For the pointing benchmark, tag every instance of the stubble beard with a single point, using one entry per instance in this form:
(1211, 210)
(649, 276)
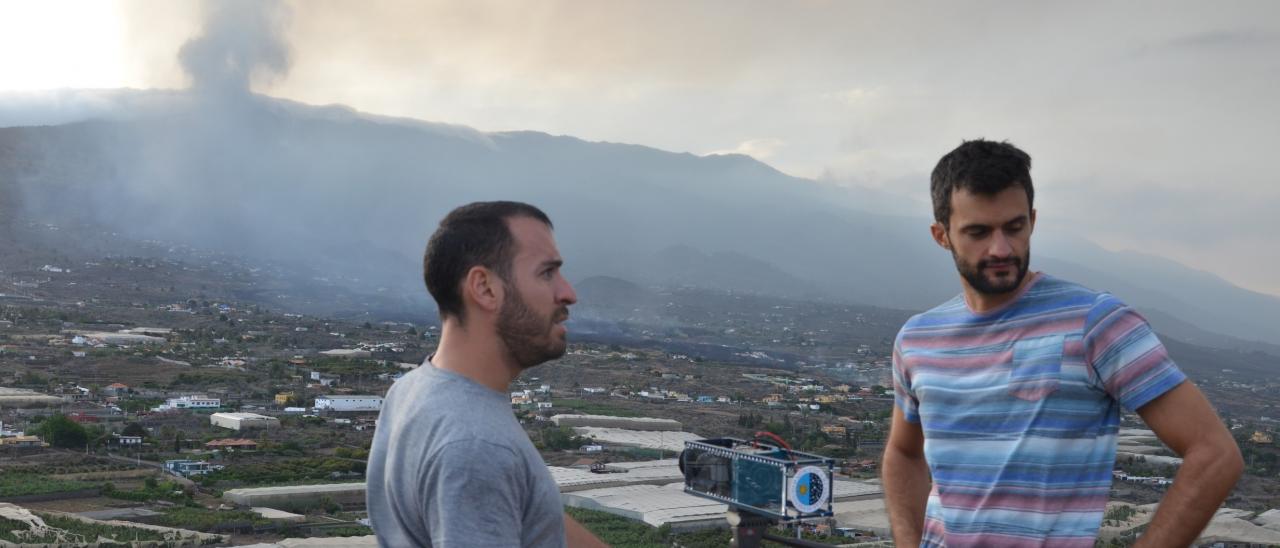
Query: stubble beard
(527, 337)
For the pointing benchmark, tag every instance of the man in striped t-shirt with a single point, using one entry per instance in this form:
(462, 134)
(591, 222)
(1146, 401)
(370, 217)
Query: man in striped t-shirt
(1009, 395)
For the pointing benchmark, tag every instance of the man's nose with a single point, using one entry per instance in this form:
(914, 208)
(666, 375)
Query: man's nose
(1000, 245)
(566, 293)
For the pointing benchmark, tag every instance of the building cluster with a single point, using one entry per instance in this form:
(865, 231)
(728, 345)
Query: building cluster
(194, 402)
(535, 398)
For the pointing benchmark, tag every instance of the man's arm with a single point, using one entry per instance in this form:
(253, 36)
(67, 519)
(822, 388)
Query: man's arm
(1183, 419)
(579, 537)
(905, 477)
(473, 494)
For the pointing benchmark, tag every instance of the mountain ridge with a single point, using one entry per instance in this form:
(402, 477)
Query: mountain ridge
(277, 178)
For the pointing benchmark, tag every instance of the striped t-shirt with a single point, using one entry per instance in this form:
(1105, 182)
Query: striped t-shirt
(1020, 407)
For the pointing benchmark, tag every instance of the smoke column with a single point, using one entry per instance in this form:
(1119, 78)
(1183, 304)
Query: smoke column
(242, 41)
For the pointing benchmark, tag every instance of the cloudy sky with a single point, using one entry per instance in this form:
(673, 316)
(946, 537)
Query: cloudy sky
(1153, 125)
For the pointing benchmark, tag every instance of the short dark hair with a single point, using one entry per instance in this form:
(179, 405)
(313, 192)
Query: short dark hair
(472, 235)
(980, 167)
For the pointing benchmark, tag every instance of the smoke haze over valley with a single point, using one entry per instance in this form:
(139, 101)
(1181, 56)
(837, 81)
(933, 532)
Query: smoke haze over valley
(349, 197)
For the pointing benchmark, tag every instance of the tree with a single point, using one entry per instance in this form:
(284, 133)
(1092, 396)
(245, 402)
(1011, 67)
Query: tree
(31, 378)
(60, 431)
(133, 429)
(562, 437)
(95, 435)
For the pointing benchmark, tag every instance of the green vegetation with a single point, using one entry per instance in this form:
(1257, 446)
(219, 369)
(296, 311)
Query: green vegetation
(15, 484)
(560, 438)
(751, 420)
(203, 519)
(60, 431)
(806, 535)
(308, 506)
(351, 453)
(151, 490)
(202, 378)
(1260, 460)
(621, 532)
(1120, 513)
(296, 421)
(31, 379)
(76, 531)
(641, 453)
(594, 408)
(134, 429)
(344, 366)
(616, 531)
(352, 531)
(284, 472)
(1139, 466)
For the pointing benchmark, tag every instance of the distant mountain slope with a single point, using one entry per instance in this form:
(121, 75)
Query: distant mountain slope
(354, 196)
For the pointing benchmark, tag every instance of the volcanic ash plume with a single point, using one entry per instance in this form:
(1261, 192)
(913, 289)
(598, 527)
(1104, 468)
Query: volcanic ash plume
(242, 41)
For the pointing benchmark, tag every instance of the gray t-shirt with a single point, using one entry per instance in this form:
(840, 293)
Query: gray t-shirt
(451, 466)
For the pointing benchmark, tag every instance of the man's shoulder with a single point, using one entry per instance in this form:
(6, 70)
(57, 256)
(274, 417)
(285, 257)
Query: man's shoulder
(1094, 303)
(939, 313)
(921, 324)
(1050, 287)
(436, 409)
(427, 386)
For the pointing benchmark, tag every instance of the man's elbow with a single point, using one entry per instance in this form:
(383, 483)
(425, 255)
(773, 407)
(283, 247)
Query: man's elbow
(896, 454)
(1224, 457)
(1233, 462)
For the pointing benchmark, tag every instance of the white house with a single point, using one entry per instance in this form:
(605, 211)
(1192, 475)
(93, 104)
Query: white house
(324, 379)
(348, 403)
(128, 441)
(190, 402)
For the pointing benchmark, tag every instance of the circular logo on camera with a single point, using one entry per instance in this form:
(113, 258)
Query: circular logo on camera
(810, 489)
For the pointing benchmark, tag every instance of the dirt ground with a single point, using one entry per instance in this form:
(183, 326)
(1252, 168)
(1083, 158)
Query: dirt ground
(81, 505)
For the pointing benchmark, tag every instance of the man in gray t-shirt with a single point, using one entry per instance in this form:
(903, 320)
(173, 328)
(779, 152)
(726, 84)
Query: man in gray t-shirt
(450, 465)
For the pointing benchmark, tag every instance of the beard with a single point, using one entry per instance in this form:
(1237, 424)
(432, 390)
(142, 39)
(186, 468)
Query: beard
(978, 280)
(526, 335)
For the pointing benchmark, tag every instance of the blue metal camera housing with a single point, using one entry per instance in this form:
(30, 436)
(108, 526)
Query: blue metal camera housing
(759, 477)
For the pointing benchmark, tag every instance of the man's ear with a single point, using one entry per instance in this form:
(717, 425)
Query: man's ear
(1033, 220)
(483, 289)
(939, 233)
